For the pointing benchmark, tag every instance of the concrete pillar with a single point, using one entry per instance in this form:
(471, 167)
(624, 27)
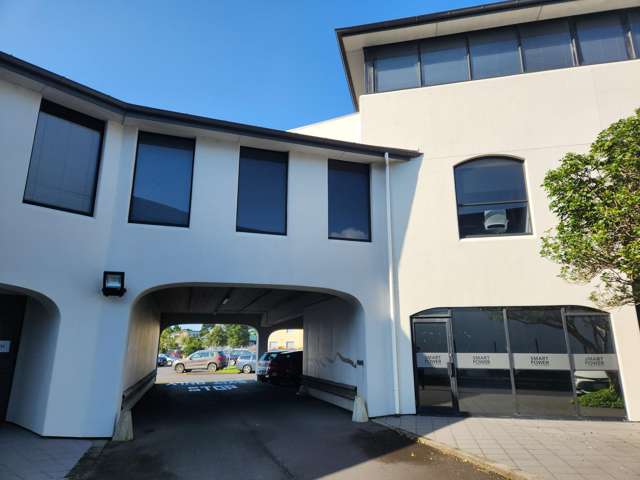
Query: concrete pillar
(263, 339)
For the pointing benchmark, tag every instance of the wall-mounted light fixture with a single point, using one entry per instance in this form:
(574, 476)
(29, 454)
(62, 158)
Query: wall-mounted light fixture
(113, 284)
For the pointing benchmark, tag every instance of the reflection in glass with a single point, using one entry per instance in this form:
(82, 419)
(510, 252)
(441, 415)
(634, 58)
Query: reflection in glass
(601, 38)
(262, 191)
(162, 182)
(349, 217)
(544, 392)
(494, 53)
(492, 197)
(396, 67)
(546, 45)
(543, 386)
(432, 356)
(598, 390)
(444, 60)
(484, 391)
(479, 330)
(634, 21)
(64, 160)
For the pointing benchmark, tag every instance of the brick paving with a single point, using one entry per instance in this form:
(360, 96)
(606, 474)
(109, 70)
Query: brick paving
(27, 456)
(545, 449)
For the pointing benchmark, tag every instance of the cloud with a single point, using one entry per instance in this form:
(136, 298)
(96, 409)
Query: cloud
(351, 233)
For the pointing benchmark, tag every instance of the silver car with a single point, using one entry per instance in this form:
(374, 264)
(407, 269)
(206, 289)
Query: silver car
(246, 362)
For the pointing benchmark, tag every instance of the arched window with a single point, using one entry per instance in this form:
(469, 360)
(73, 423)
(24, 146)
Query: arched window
(492, 197)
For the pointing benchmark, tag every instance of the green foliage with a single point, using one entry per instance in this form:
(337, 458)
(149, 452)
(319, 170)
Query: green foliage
(191, 344)
(217, 337)
(604, 398)
(228, 370)
(237, 336)
(205, 329)
(596, 197)
(167, 342)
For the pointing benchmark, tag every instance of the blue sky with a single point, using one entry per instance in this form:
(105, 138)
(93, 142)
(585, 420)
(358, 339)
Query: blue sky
(271, 63)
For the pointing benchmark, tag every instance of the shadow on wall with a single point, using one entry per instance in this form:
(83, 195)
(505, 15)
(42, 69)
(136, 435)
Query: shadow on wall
(35, 357)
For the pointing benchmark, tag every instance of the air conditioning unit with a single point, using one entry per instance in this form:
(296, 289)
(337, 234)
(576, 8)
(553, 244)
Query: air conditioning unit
(495, 221)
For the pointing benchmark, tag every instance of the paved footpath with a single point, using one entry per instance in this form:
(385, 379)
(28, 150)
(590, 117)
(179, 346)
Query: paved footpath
(546, 449)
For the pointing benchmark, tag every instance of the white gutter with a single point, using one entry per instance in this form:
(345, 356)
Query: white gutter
(392, 287)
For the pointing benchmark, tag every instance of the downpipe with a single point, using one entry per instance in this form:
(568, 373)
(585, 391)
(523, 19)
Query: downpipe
(392, 287)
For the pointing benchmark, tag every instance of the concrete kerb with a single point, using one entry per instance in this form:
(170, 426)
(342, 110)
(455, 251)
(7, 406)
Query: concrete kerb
(479, 462)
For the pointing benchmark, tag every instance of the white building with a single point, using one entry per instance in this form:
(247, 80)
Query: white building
(404, 238)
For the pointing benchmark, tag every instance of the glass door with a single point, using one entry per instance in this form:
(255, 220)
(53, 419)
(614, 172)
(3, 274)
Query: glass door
(434, 367)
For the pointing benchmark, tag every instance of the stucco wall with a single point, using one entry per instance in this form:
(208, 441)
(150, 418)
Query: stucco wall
(535, 117)
(32, 375)
(142, 343)
(333, 333)
(346, 127)
(63, 255)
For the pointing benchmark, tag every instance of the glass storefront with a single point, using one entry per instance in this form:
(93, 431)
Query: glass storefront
(541, 361)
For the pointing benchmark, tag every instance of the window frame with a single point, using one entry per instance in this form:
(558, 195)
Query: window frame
(135, 172)
(240, 229)
(633, 50)
(78, 118)
(526, 200)
(369, 238)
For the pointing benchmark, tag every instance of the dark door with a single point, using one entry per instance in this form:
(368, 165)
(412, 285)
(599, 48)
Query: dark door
(11, 316)
(434, 367)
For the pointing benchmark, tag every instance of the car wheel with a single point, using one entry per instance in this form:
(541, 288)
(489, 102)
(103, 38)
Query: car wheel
(179, 368)
(246, 369)
(212, 367)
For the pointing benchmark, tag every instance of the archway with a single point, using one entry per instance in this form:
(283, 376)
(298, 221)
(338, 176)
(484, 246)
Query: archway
(29, 323)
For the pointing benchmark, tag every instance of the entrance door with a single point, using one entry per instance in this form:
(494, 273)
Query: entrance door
(434, 367)
(11, 315)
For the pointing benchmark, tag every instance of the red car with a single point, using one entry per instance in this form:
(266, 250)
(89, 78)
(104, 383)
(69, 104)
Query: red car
(285, 367)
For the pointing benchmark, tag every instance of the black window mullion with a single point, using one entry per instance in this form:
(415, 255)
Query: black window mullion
(626, 22)
(470, 70)
(419, 64)
(520, 52)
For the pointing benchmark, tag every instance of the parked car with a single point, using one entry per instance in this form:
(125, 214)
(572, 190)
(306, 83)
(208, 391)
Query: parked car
(202, 359)
(263, 363)
(234, 354)
(285, 368)
(247, 362)
(162, 360)
(165, 360)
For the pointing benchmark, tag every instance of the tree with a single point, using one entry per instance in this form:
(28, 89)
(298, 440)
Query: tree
(167, 342)
(191, 344)
(217, 337)
(237, 336)
(205, 329)
(596, 197)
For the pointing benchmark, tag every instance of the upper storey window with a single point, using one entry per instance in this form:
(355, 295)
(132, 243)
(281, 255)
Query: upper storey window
(349, 201)
(444, 60)
(396, 67)
(65, 157)
(494, 53)
(262, 191)
(162, 180)
(529, 47)
(601, 38)
(546, 45)
(492, 197)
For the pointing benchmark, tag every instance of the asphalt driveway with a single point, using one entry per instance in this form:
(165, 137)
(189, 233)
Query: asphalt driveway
(235, 428)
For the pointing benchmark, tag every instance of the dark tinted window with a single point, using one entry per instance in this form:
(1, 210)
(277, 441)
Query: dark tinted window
(601, 38)
(262, 191)
(494, 53)
(634, 20)
(590, 334)
(162, 182)
(396, 67)
(444, 60)
(479, 330)
(546, 45)
(64, 160)
(536, 330)
(349, 201)
(492, 197)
